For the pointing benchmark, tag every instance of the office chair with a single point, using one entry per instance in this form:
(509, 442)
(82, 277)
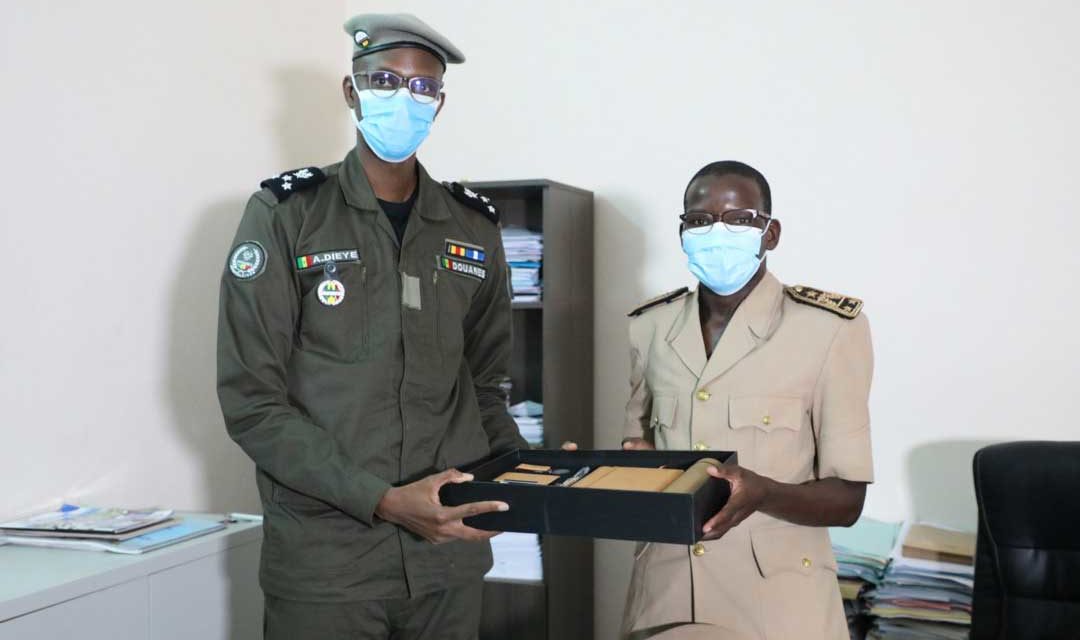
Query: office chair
(1027, 559)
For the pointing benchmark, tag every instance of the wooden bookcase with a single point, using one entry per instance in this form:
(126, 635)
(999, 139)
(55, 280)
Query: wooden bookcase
(552, 364)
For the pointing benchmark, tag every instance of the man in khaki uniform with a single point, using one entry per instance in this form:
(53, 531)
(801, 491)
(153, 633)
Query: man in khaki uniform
(364, 335)
(782, 376)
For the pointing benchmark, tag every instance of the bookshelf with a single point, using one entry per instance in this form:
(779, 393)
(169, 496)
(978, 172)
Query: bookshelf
(553, 364)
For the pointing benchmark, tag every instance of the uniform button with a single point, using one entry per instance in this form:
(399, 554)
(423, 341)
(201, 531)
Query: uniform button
(701, 446)
(806, 562)
(703, 395)
(766, 421)
(656, 422)
(698, 549)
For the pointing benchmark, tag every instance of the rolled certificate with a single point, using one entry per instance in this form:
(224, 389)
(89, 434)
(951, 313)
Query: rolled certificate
(693, 478)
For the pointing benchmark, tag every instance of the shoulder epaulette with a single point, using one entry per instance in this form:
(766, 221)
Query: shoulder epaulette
(473, 200)
(290, 182)
(670, 296)
(838, 303)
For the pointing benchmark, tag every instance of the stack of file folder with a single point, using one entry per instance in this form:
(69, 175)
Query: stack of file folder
(862, 556)
(524, 252)
(114, 530)
(928, 596)
(529, 416)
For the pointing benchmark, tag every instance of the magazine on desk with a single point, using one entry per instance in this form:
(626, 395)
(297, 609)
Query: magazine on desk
(184, 529)
(94, 520)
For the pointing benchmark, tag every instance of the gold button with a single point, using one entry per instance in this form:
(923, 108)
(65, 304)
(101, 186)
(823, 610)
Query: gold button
(701, 446)
(806, 562)
(766, 420)
(698, 549)
(703, 395)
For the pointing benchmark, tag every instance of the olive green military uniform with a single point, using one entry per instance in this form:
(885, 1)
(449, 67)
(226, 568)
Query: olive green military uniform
(348, 363)
(786, 387)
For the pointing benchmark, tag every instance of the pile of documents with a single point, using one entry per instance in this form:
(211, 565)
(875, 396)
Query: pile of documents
(524, 253)
(529, 416)
(862, 555)
(927, 589)
(517, 557)
(115, 530)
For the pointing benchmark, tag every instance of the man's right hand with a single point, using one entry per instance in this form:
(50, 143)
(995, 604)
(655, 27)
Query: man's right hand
(416, 507)
(628, 444)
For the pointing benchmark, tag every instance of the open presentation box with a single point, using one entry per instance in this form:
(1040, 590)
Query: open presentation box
(647, 516)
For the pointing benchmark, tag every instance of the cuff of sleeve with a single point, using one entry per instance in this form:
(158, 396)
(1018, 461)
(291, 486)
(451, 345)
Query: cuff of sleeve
(847, 457)
(369, 492)
(503, 433)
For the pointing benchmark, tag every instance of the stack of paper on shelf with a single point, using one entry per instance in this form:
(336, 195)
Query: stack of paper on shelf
(524, 252)
(862, 555)
(926, 598)
(115, 530)
(517, 556)
(529, 416)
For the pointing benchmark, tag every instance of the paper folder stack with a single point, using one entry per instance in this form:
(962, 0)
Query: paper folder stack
(862, 554)
(927, 590)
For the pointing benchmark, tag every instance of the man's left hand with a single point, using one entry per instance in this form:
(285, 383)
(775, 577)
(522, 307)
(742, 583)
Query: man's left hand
(748, 493)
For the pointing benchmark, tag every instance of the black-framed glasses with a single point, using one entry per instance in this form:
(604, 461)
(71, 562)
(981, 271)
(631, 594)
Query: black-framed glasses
(735, 220)
(384, 84)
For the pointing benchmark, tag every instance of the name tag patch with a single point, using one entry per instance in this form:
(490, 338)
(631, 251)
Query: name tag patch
(462, 267)
(319, 259)
(465, 251)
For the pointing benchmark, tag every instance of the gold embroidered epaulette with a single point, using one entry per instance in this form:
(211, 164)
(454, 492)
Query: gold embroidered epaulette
(670, 296)
(841, 305)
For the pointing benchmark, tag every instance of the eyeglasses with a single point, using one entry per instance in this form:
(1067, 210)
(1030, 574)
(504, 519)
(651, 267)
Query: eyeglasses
(735, 220)
(384, 84)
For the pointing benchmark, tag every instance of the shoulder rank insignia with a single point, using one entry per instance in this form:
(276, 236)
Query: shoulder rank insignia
(473, 200)
(841, 305)
(290, 182)
(670, 296)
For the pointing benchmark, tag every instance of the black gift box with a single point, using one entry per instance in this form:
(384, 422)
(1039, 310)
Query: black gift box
(646, 516)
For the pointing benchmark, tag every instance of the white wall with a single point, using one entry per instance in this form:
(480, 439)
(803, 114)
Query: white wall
(133, 133)
(922, 157)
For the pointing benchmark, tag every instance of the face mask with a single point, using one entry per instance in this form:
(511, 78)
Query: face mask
(723, 260)
(393, 127)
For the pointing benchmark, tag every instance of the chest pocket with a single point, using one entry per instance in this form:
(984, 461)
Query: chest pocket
(767, 413)
(454, 295)
(339, 331)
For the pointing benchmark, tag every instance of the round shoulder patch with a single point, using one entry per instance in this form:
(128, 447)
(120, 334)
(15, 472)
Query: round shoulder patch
(247, 260)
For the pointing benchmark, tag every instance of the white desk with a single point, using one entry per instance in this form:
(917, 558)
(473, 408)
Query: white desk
(206, 588)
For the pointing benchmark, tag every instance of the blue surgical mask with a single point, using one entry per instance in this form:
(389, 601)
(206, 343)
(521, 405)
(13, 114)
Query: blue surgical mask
(393, 127)
(724, 260)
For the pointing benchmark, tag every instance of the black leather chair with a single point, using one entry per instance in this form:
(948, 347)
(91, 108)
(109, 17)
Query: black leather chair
(1027, 564)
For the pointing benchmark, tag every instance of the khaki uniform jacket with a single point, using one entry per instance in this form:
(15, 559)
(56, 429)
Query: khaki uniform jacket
(787, 388)
(335, 404)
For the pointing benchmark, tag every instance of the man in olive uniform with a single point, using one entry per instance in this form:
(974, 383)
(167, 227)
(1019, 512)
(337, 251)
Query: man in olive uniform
(780, 375)
(364, 335)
